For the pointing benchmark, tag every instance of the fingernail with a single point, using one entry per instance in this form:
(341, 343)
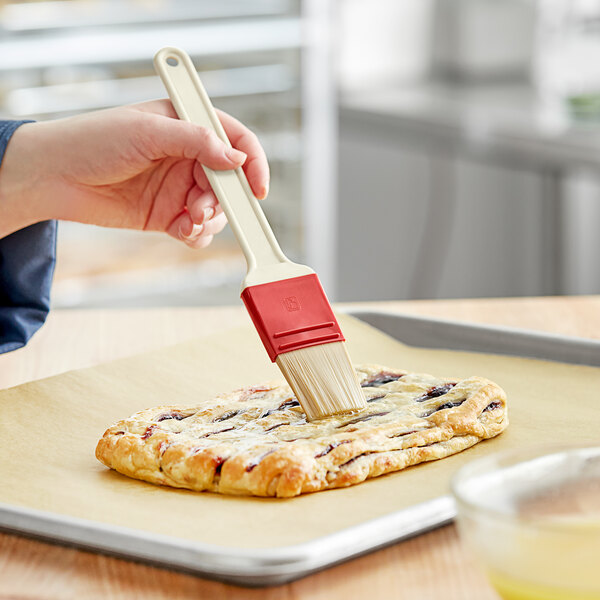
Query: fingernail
(236, 156)
(265, 191)
(196, 231)
(209, 213)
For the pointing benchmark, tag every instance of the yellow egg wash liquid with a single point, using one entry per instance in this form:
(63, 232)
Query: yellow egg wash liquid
(561, 562)
(510, 588)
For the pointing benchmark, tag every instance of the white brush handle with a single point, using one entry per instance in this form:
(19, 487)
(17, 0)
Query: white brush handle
(266, 261)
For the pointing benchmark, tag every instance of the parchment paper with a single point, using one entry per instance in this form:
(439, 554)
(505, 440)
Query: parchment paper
(49, 429)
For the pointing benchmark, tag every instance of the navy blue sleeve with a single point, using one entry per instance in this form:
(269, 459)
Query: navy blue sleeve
(27, 259)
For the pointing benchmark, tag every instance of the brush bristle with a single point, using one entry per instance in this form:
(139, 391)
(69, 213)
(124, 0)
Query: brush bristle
(323, 379)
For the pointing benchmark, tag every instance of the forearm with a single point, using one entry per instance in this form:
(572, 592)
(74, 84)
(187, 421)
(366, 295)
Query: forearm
(21, 203)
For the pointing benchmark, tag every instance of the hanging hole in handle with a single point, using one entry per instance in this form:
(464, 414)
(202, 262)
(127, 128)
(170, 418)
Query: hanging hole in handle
(172, 61)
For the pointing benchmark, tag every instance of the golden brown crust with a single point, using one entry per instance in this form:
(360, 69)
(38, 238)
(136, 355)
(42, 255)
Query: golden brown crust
(256, 441)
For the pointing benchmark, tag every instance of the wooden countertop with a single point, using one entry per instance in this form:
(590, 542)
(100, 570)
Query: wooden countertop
(431, 566)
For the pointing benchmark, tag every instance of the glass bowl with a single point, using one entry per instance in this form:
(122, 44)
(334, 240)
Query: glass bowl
(532, 518)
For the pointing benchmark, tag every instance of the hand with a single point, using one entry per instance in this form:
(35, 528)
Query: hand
(137, 167)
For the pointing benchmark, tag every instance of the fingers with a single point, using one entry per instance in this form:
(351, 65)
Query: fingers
(215, 225)
(193, 234)
(172, 137)
(166, 137)
(256, 166)
(202, 206)
(256, 181)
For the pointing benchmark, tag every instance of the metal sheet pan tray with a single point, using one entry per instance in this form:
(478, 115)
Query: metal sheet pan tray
(277, 565)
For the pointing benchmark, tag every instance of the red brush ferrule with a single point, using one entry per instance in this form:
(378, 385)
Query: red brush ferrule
(291, 314)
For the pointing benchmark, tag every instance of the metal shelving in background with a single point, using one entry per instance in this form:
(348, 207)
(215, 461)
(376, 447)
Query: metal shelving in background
(63, 58)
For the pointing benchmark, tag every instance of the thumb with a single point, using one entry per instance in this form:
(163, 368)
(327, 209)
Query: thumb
(168, 137)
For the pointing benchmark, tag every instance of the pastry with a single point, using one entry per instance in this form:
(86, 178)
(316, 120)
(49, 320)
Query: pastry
(256, 440)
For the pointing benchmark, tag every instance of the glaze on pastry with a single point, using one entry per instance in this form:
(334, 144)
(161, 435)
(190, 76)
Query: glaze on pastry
(256, 440)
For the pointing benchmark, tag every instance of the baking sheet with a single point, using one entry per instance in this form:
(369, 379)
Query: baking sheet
(426, 332)
(49, 430)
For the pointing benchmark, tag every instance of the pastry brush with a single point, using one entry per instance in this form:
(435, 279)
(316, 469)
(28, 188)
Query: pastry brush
(284, 299)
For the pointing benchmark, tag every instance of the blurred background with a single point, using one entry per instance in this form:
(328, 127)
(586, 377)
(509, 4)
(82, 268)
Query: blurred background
(418, 148)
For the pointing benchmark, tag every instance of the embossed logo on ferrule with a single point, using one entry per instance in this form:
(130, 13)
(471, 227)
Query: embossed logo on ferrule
(291, 303)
